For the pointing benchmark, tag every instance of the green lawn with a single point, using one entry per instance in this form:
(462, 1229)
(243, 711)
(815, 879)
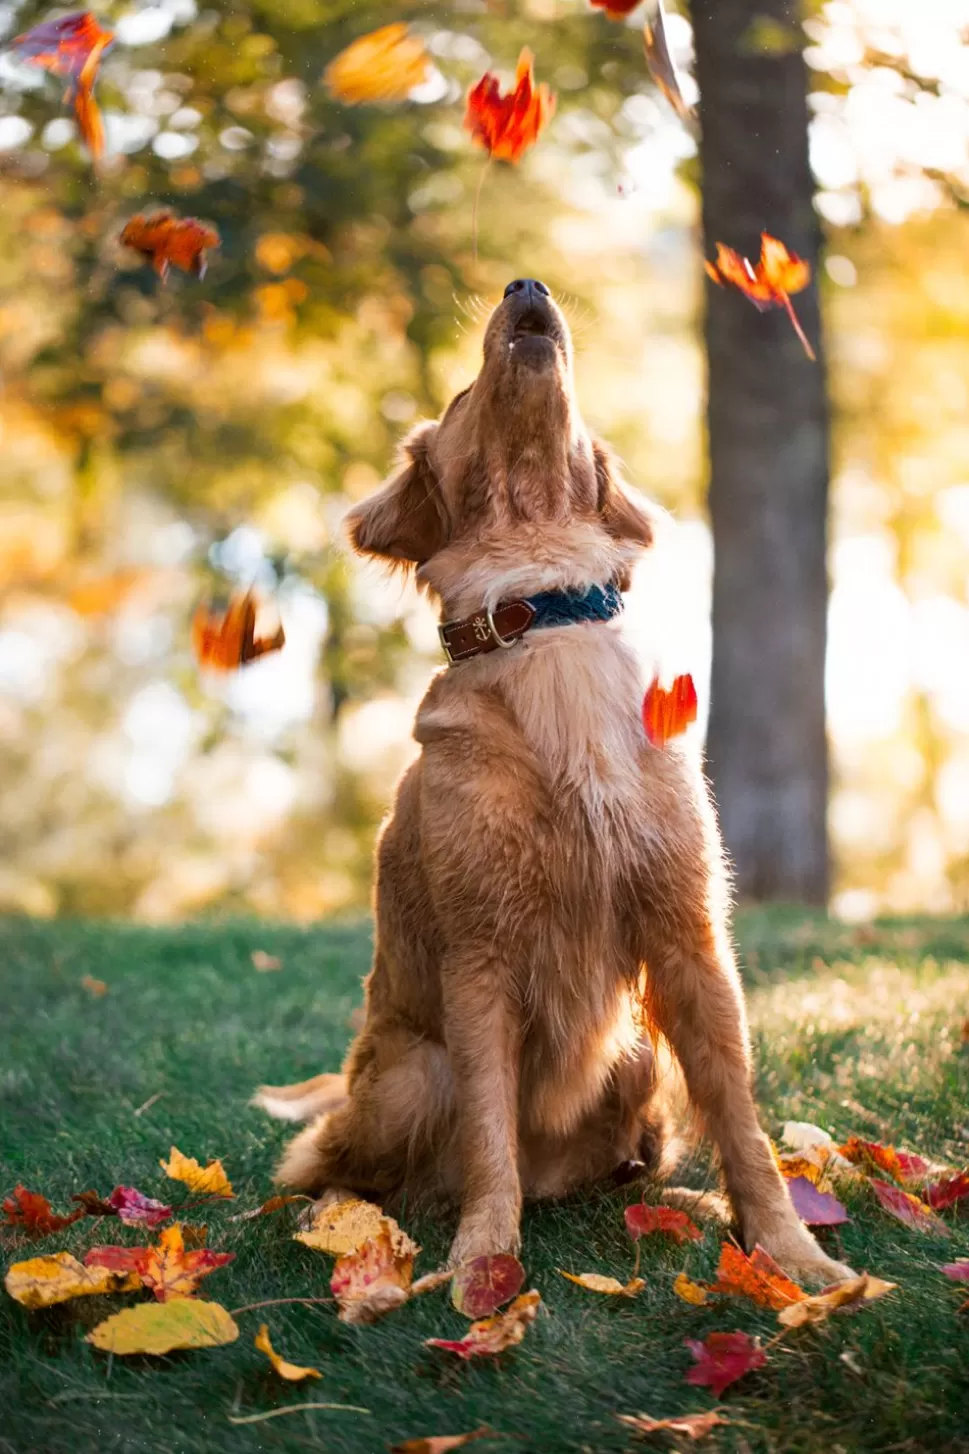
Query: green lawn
(857, 1030)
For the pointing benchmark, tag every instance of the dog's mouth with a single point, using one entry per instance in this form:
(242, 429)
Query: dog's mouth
(534, 336)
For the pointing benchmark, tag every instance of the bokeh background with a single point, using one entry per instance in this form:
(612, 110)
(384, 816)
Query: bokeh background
(159, 445)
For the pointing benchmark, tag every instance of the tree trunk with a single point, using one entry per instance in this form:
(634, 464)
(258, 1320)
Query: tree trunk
(768, 431)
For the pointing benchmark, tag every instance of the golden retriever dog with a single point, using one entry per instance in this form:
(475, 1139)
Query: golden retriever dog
(550, 890)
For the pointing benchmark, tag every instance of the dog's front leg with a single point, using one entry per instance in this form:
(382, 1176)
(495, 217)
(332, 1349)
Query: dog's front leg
(483, 1036)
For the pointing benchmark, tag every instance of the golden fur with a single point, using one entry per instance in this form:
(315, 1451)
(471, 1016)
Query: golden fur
(549, 887)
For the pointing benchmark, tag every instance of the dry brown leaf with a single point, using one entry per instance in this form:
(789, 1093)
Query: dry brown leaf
(691, 1426)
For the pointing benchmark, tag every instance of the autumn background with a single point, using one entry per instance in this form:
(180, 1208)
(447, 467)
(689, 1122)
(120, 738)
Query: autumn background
(162, 444)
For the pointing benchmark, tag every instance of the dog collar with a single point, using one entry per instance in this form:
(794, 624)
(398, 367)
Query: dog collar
(490, 630)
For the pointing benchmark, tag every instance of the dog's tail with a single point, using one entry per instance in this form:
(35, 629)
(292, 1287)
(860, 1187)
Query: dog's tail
(303, 1101)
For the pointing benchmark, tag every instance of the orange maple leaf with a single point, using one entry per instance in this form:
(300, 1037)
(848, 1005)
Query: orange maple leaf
(757, 1277)
(166, 1268)
(668, 713)
(72, 46)
(383, 66)
(778, 273)
(900, 1165)
(507, 125)
(168, 241)
(32, 1213)
(226, 640)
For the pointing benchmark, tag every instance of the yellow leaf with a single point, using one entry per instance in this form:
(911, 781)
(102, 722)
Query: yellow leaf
(690, 1292)
(43, 1281)
(595, 1282)
(385, 65)
(292, 1372)
(209, 1180)
(163, 1327)
(343, 1226)
(850, 1294)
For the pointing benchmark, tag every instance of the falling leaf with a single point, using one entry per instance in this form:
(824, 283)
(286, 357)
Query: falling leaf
(871, 1155)
(507, 125)
(595, 1282)
(32, 1213)
(167, 1269)
(384, 66)
(945, 1193)
(439, 1443)
(844, 1296)
(757, 1277)
(95, 987)
(615, 9)
(163, 1327)
(815, 1208)
(691, 1426)
(484, 1283)
(167, 241)
(292, 1372)
(274, 1204)
(642, 1220)
(209, 1180)
(908, 1209)
(690, 1292)
(668, 713)
(768, 285)
(43, 1281)
(345, 1224)
(137, 1210)
(264, 962)
(659, 60)
(372, 1280)
(958, 1271)
(73, 47)
(722, 1358)
(226, 640)
(494, 1334)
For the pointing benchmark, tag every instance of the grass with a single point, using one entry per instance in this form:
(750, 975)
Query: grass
(856, 1030)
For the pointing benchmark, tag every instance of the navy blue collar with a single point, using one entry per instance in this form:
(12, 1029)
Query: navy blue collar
(564, 608)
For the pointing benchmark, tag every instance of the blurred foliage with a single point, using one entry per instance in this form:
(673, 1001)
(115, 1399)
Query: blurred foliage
(161, 442)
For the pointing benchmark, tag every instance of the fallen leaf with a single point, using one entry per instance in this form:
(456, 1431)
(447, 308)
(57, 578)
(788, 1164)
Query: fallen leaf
(137, 1210)
(908, 1209)
(659, 60)
(691, 1426)
(226, 640)
(507, 125)
(87, 114)
(209, 1180)
(439, 1443)
(264, 962)
(32, 1213)
(168, 241)
(95, 987)
(666, 714)
(73, 47)
(343, 1225)
(167, 1269)
(596, 1282)
(163, 1327)
(372, 1280)
(383, 66)
(757, 1277)
(815, 1208)
(483, 1284)
(292, 1372)
(274, 1204)
(722, 1358)
(642, 1220)
(947, 1192)
(43, 1281)
(871, 1155)
(843, 1296)
(495, 1334)
(768, 285)
(94, 1206)
(958, 1271)
(690, 1292)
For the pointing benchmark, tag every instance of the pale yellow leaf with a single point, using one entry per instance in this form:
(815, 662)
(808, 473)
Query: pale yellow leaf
(162, 1327)
(596, 1282)
(292, 1372)
(849, 1294)
(42, 1281)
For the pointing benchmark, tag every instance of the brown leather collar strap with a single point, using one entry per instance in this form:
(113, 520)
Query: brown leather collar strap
(485, 631)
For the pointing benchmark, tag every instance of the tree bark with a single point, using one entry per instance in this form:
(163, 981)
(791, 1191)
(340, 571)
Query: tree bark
(768, 440)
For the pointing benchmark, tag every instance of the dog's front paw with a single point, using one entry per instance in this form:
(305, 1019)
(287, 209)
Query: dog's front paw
(484, 1232)
(794, 1248)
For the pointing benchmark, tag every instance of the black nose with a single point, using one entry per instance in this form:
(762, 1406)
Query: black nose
(529, 288)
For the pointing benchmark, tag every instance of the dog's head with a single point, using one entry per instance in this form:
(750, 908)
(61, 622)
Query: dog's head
(509, 475)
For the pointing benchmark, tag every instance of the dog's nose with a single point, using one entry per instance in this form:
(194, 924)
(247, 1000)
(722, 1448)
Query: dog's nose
(529, 288)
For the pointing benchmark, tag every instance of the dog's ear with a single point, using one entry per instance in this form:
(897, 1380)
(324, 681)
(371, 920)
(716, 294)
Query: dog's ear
(405, 521)
(622, 514)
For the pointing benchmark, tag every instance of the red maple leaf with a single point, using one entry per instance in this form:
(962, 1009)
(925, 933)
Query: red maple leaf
(948, 1191)
(615, 9)
(507, 125)
(668, 713)
(722, 1358)
(168, 241)
(641, 1220)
